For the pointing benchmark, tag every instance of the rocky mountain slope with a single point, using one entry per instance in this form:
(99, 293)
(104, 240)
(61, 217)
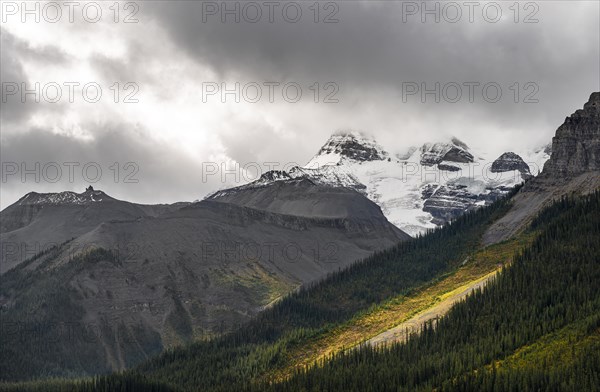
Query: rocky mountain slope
(574, 167)
(39, 221)
(135, 279)
(576, 146)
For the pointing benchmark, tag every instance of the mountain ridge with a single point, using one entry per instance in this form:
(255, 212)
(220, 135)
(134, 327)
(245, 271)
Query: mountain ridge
(427, 186)
(146, 282)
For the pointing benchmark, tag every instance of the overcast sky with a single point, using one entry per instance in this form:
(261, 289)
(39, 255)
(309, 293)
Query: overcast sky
(358, 66)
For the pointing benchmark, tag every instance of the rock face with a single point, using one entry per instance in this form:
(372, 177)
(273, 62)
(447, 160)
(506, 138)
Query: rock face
(450, 201)
(446, 167)
(574, 167)
(455, 151)
(354, 146)
(576, 146)
(510, 161)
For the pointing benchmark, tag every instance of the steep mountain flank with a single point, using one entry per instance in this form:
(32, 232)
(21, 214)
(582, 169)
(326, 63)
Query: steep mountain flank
(574, 167)
(576, 146)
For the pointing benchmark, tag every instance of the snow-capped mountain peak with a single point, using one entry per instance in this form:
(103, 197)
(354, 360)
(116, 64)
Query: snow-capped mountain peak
(510, 161)
(351, 146)
(418, 190)
(452, 151)
(326, 175)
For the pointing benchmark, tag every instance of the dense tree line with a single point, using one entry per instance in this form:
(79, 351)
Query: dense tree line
(112, 383)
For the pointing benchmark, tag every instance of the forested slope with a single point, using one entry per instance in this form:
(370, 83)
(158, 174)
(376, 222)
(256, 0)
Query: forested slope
(550, 287)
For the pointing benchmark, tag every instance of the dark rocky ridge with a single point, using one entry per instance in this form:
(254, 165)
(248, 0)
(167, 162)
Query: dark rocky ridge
(573, 167)
(302, 197)
(443, 166)
(510, 161)
(38, 221)
(576, 146)
(348, 145)
(455, 151)
(458, 155)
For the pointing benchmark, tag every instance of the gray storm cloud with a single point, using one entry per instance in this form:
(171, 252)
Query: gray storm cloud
(374, 53)
(371, 47)
(11, 71)
(121, 160)
(377, 49)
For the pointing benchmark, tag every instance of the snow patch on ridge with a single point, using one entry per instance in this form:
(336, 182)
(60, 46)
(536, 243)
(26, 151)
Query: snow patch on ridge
(34, 198)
